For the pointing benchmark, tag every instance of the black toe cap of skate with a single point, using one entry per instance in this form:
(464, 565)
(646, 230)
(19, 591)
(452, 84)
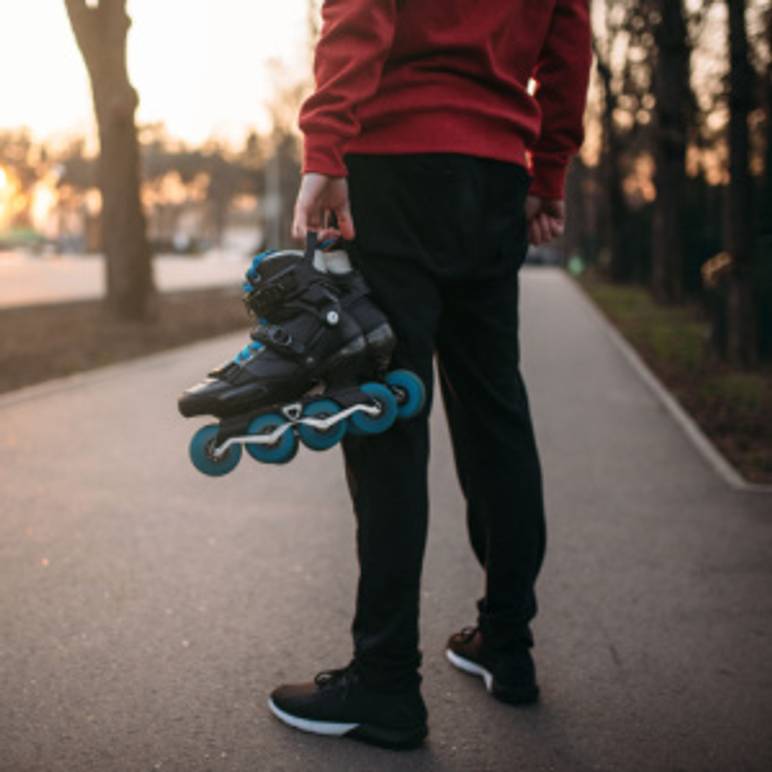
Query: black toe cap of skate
(222, 399)
(202, 399)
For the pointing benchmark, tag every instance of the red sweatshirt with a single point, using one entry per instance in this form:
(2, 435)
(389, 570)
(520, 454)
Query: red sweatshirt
(451, 76)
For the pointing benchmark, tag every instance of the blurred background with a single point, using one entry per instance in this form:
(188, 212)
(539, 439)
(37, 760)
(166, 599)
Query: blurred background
(169, 147)
(148, 149)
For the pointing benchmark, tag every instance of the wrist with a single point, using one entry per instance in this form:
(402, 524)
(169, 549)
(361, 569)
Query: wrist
(322, 155)
(549, 177)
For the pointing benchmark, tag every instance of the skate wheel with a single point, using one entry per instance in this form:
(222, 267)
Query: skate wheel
(281, 451)
(363, 423)
(202, 453)
(321, 439)
(409, 391)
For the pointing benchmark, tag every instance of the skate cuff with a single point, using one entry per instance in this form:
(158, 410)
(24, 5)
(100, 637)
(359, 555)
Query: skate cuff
(357, 287)
(261, 300)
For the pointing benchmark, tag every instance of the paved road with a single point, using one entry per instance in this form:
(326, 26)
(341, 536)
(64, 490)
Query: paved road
(147, 611)
(27, 280)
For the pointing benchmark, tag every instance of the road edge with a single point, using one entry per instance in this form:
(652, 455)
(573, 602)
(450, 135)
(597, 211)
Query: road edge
(104, 372)
(714, 458)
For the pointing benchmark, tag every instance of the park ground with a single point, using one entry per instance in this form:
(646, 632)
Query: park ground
(148, 611)
(54, 323)
(732, 405)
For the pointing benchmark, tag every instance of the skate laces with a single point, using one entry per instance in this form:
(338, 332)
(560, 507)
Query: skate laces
(252, 275)
(249, 286)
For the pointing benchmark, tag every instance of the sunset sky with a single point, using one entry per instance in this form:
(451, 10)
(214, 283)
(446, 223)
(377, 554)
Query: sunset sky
(201, 66)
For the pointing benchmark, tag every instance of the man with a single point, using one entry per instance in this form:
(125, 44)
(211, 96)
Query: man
(417, 139)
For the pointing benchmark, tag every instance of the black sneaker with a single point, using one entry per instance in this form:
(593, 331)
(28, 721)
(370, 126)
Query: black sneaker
(509, 676)
(338, 704)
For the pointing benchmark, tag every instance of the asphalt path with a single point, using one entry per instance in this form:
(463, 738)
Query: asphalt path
(146, 611)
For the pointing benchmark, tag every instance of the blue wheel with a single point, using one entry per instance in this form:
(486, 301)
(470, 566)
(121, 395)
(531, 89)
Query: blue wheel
(201, 451)
(363, 423)
(409, 391)
(282, 450)
(321, 439)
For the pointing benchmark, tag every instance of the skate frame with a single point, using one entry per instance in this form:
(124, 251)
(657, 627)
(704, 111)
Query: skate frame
(294, 416)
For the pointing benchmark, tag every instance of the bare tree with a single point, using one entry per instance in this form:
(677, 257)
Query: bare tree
(673, 96)
(742, 339)
(620, 265)
(768, 118)
(101, 29)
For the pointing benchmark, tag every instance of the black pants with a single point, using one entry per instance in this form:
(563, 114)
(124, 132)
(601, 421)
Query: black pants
(440, 239)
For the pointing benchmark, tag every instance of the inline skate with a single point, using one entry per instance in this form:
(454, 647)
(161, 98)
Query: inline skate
(317, 337)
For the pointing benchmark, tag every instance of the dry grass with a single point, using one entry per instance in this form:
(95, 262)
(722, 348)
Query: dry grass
(42, 342)
(733, 407)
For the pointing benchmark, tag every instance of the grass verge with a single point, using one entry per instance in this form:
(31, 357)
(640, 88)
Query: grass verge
(733, 407)
(41, 342)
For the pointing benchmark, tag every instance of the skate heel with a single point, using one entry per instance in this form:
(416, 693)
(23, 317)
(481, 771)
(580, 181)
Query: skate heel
(343, 367)
(380, 346)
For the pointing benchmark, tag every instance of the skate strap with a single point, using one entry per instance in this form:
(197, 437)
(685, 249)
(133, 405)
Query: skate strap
(312, 244)
(262, 298)
(275, 337)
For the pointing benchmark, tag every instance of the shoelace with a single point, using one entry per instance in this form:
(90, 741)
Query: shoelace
(249, 285)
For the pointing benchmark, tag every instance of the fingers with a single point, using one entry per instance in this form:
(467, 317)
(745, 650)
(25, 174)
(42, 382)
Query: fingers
(318, 196)
(555, 228)
(543, 229)
(546, 219)
(538, 230)
(308, 215)
(534, 232)
(299, 223)
(532, 207)
(305, 219)
(345, 222)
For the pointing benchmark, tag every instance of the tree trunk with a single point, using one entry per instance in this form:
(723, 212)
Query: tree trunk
(742, 338)
(672, 92)
(767, 201)
(101, 31)
(620, 264)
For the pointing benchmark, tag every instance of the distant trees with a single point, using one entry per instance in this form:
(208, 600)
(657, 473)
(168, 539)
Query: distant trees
(101, 28)
(20, 160)
(673, 103)
(767, 99)
(621, 264)
(739, 236)
(682, 104)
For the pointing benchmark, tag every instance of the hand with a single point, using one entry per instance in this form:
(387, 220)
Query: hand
(546, 219)
(318, 197)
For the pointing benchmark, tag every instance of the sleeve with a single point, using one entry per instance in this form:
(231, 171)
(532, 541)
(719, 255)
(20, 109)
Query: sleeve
(356, 38)
(562, 76)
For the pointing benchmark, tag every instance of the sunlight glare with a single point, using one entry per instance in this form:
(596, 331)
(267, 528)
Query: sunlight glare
(199, 66)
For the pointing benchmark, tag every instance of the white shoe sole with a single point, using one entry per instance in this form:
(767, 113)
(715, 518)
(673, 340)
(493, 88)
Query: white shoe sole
(470, 667)
(328, 728)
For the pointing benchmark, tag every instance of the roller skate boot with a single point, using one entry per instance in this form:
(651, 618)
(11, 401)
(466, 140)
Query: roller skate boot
(409, 390)
(298, 377)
